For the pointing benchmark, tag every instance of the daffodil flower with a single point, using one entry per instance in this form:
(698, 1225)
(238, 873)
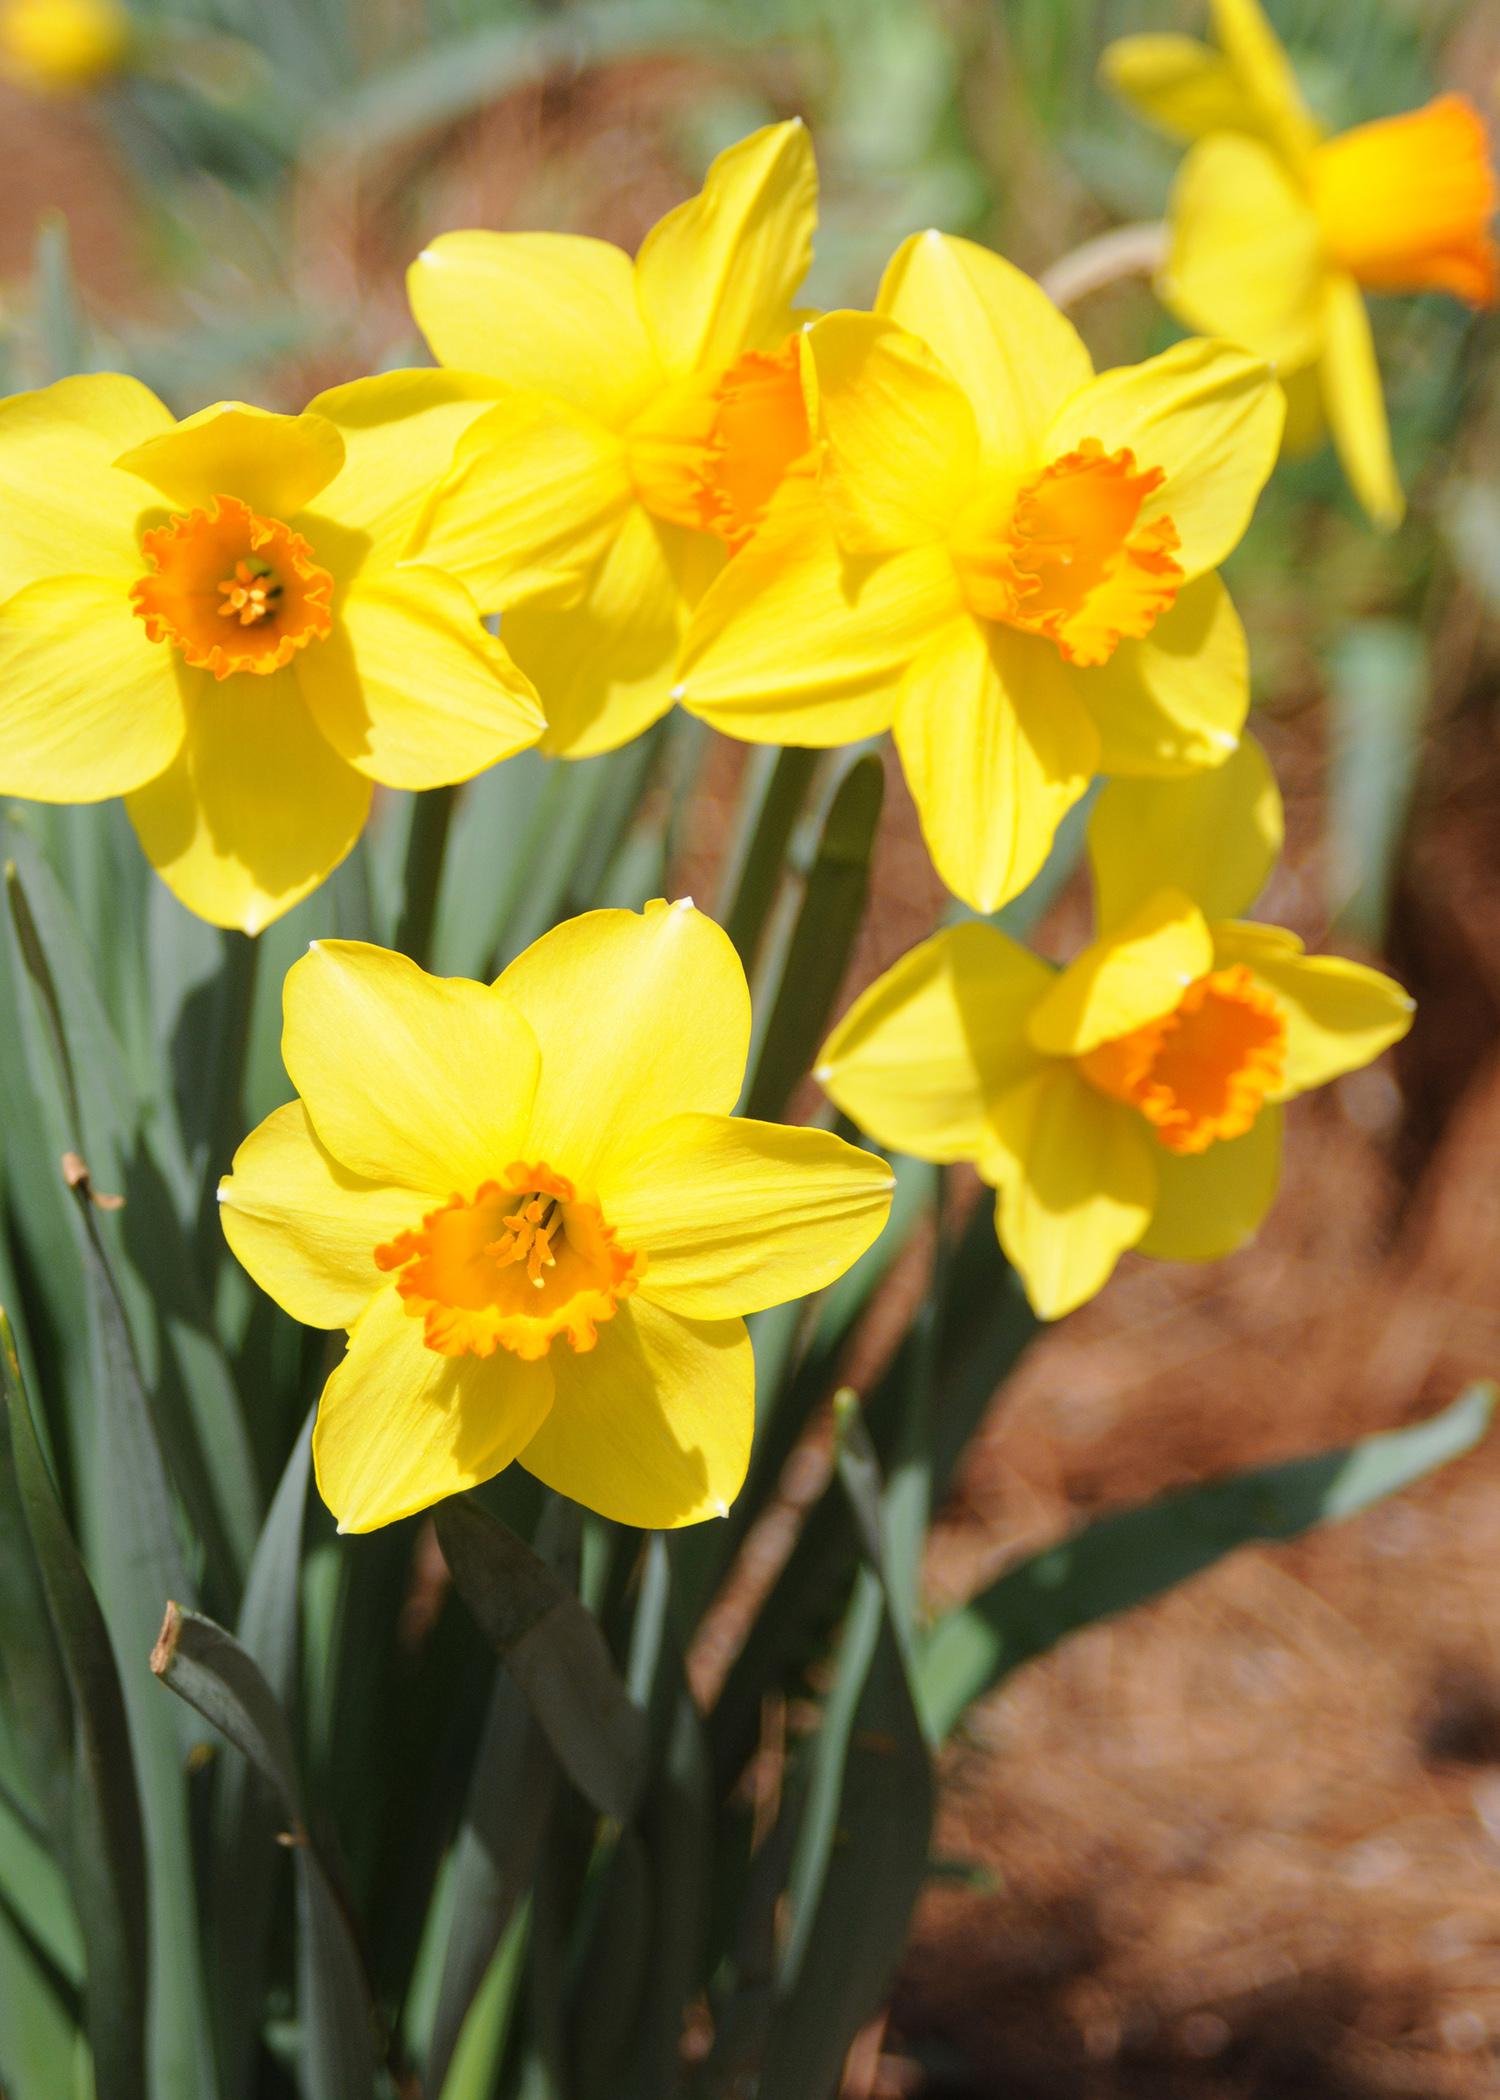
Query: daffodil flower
(656, 408)
(531, 1208)
(1133, 1099)
(1012, 564)
(1274, 229)
(62, 47)
(214, 619)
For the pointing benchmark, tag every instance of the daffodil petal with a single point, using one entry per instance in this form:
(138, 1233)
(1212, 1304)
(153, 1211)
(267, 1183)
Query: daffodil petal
(1013, 353)
(64, 505)
(400, 1427)
(996, 746)
(423, 1081)
(304, 1226)
(1265, 75)
(1136, 973)
(399, 432)
(604, 660)
(410, 689)
(733, 1216)
(717, 276)
(1214, 835)
(554, 313)
(1355, 404)
(256, 808)
(1177, 84)
(640, 1016)
(652, 1426)
(1209, 416)
(924, 1051)
(1076, 1181)
(91, 705)
(799, 643)
(900, 444)
(1176, 700)
(535, 495)
(1209, 1203)
(276, 464)
(1339, 1015)
(1245, 259)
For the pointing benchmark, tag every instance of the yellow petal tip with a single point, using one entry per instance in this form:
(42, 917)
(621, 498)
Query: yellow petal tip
(683, 904)
(678, 692)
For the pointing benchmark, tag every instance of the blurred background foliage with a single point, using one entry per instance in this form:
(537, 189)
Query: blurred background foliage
(228, 211)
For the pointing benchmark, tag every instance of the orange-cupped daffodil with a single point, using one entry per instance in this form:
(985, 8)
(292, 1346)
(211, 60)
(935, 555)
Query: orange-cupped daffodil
(1134, 1098)
(531, 1208)
(1011, 562)
(656, 407)
(215, 619)
(1275, 228)
(62, 47)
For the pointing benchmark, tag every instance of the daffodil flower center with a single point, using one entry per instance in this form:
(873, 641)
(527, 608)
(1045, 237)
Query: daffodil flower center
(1203, 1071)
(712, 450)
(232, 591)
(1068, 557)
(522, 1261)
(1405, 204)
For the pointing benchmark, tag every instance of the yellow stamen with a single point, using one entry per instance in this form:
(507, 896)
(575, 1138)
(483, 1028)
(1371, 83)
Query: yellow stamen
(1068, 558)
(227, 564)
(526, 1259)
(1203, 1071)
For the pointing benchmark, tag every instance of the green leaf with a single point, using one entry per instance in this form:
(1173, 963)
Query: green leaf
(206, 1666)
(245, 1859)
(822, 940)
(1127, 1559)
(775, 788)
(1378, 695)
(868, 1839)
(106, 1852)
(555, 1652)
(505, 1820)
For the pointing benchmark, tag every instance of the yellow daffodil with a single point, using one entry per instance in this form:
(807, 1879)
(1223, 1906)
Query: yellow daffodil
(1012, 562)
(1274, 228)
(656, 408)
(214, 619)
(60, 47)
(531, 1208)
(1134, 1098)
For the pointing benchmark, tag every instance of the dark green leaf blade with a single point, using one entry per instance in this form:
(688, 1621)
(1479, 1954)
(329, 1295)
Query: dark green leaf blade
(1127, 1559)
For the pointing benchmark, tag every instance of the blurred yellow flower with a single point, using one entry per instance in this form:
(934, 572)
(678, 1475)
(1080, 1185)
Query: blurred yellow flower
(531, 1208)
(215, 619)
(1274, 228)
(1134, 1098)
(656, 408)
(60, 47)
(1011, 561)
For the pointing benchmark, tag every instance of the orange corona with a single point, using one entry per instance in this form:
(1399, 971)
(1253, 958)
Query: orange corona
(232, 591)
(522, 1261)
(713, 450)
(1203, 1071)
(1068, 557)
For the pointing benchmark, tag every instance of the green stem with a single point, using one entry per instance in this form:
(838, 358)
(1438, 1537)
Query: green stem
(431, 820)
(240, 970)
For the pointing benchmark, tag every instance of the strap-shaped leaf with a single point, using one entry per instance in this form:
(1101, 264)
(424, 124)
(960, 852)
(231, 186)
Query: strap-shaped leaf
(555, 1652)
(207, 1667)
(105, 1853)
(822, 940)
(1124, 1560)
